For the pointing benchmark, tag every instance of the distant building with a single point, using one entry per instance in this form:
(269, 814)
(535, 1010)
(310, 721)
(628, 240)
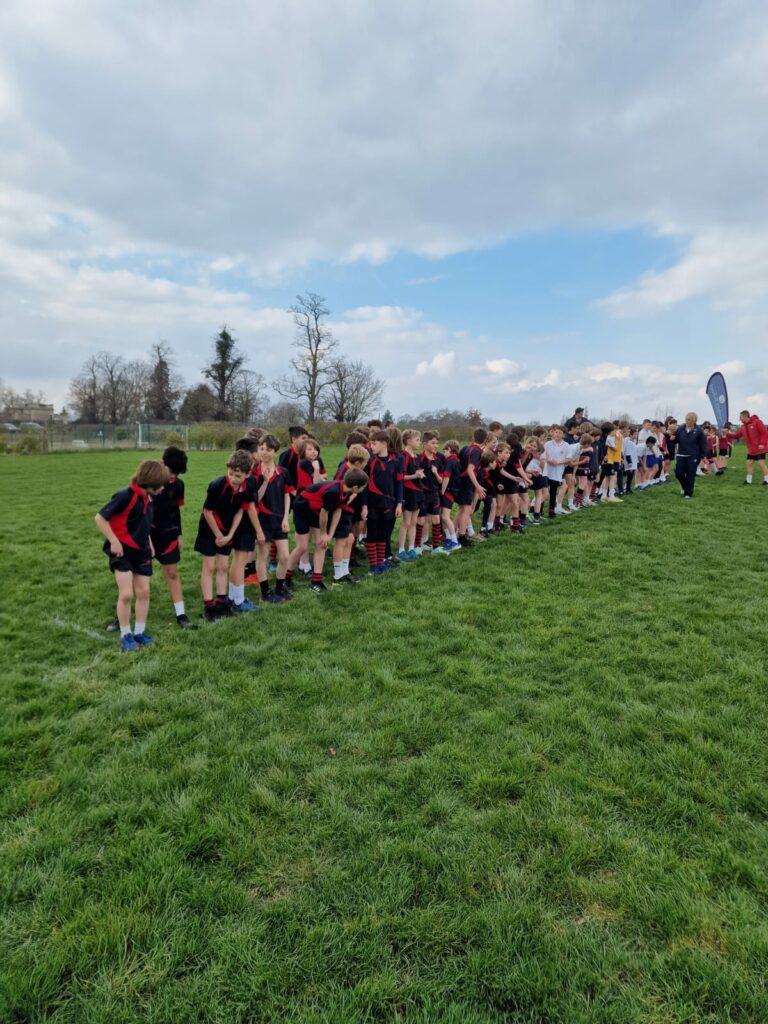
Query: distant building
(32, 412)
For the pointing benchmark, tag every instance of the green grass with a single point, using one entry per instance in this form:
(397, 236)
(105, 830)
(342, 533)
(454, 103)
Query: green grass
(526, 783)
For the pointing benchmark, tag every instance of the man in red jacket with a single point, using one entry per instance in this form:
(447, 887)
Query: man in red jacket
(755, 435)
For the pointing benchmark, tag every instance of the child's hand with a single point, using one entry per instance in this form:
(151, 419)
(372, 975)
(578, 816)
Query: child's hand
(260, 538)
(181, 544)
(284, 526)
(222, 541)
(481, 492)
(398, 511)
(323, 541)
(419, 474)
(116, 548)
(364, 513)
(499, 487)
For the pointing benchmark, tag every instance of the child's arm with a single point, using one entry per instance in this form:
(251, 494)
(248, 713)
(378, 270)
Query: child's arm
(473, 478)
(253, 515)
(222, 541)
(286, 510)
(317, 474)
(104, 528)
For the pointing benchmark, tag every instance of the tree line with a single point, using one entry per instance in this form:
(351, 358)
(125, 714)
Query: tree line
(321, 383)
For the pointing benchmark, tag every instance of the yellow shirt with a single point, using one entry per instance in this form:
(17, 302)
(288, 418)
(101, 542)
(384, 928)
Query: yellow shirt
(613, 455)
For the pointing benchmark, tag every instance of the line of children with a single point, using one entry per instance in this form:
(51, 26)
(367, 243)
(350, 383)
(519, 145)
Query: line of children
(386, 476)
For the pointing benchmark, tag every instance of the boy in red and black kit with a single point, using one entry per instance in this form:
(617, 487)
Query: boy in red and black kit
(449, 492)
(125, 522)
(269, 518)
(383, 508)
(227, 500)
(470, 487)
(431, 464)
(326, 510)
(166, 532)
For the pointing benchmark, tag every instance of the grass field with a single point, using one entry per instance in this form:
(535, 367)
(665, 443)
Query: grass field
(524, 783)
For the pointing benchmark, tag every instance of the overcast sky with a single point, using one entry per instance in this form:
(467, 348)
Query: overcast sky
(514, 205)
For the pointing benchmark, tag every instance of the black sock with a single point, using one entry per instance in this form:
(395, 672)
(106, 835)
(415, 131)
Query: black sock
(264, 584)
(279, 586)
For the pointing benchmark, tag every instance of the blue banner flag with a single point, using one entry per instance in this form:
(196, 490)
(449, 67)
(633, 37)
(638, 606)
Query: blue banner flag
(718, 396)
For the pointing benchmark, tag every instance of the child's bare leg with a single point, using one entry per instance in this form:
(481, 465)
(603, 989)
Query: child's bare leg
(222, 573)
(171, 573)
(206, 577)
(141, 591)
(124, 581)
(237, 574)
(282, 558)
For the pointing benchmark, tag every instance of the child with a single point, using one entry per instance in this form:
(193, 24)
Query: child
(611, 461)
(431, 464)
(583, 470)
(269, 517)
(534, 468)
(166, 532)
(226, 502)
(557, 453)
(396, 460)
(125, 522)
(310, 467)
(383, 508)
(413, 475)
(325, 510)
(449, 491)
(629, 457)
(470, 488)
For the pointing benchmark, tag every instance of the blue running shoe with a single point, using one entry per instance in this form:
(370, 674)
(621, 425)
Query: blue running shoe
(143, 639)
(128, 642)
(245, 606)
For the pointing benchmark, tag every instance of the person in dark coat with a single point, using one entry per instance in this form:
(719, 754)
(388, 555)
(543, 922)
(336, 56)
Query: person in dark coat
(691, 448)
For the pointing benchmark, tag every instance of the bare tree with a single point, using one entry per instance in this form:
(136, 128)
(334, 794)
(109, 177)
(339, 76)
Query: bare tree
(132, 395)
(223, 369)
(315, 343)
(247, 396)
(85, 393)
(111, 371)
(351, 390)
(200, 404)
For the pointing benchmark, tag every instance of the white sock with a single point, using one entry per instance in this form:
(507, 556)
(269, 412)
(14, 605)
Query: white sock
(749, 478)
(231, 594)
(125, 630)
(140, 627)
(305, 566)
(470, 530)
(338, 570)
(345, 567)
(237, 594)
(611, 492)
(178, 607)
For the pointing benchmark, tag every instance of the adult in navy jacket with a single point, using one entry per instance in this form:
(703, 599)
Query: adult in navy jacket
(691, 448)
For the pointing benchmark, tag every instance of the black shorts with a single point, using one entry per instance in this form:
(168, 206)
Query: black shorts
(304, 519)
(344, 527)
(756, 458)
(245, 537)
(568, 471)
(431, 504)
(540, 483)
(166, 547)
(609, 469)
(205, 543)
(271, 531)
(466, 492)
(411, 500)
(724, 453)
(447, 501)
(139, 565)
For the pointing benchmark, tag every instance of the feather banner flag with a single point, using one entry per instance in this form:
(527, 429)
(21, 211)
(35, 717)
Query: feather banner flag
(718, 396)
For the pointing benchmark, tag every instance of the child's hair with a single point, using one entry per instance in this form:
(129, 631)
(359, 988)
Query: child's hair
(539, 431)
(502, 446)
(355, 478)
(297, 431)
(358, 453)
(247, 444)
(270, 441)
(240, 461)
(308, 442)
(514, 437)
(495, 425)
(408, 435)
(430, 435)
(556, 426)
(487, 458)
(586, 439)
(607, 428)
(175, 459)
(650, 440)
(355, 437)
(375, 424)
(452, 446)
(395, 439)
(479, 435)
(379, 435)
(150, 475)
(534, 442)
(362, 429)
(257, 432)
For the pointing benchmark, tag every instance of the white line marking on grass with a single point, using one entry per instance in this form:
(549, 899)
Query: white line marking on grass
(78, 629)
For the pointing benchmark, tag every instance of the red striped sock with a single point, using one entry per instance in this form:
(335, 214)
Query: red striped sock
(289, 574)
(419, 534)
(370, 551)
(437, 537)
(381, 552)
(317, 577)
(273, 552)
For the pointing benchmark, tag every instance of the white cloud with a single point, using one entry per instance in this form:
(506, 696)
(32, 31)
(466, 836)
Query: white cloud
(440, 365)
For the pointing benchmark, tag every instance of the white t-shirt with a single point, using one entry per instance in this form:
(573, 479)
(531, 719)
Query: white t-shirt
(629, 452)
(560, 453)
